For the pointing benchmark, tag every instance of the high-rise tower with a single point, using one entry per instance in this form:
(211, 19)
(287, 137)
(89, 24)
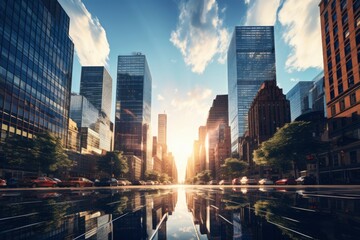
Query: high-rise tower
(133, 108)
(251, 61)
(35, 68)
(162, 130)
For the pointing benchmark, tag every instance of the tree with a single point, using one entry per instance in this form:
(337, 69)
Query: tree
(152, 175)
(164, 177)
(204, 176)
(233, 167)
(113, 163)
(289, 147)
(43, 153)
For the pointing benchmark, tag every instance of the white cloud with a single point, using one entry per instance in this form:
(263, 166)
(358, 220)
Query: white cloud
(261, 13)
(294, 79)
(196, 100)
(302, 33)
(89, 37)
(200, 36)
(160, 98)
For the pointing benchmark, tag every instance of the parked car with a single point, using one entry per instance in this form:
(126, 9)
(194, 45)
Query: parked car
(76, 182)
(286, 181)
(2, 182)
(106, 182)
(248, 181)
(236, 181)
(150, 183)
(266, 181)
(306, 180)
(213, 182)
(225, 182)
(139, 182)
(38, 182)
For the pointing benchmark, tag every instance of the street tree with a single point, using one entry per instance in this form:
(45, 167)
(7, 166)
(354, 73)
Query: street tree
(233, 167)
(204, 176)
(289, 148)
(113, 163)
(152, 175)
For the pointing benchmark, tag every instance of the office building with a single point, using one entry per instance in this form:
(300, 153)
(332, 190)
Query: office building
(218, 114)
(222, 148)
(162, 131)
(340, 23)
(35, 68)
(269, 111)
(133, 108)
(251, 61)
(299, 98)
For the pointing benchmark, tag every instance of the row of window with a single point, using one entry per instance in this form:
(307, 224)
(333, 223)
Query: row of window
(342, 105)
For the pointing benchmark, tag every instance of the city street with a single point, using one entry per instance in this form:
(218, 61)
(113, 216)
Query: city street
(192, 212)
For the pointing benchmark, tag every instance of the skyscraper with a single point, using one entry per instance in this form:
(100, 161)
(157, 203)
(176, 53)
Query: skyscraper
(251, 61)
(96, 86)
(299, 98)
(35, 68)
(133, 108)
(162, 129)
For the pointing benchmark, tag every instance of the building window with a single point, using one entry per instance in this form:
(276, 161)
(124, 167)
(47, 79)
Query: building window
(335, 31)
(340, 88)
(328, 52)
(330, 64)
(350, 81)
(333, 111)
(334, 17)
(358, 37)
(333, 5)
(354, 116)
(336, 44)
(346, 33)
(331, 80)
(353, 157)
(327, 40)
(338, 73)
(332, 94)
(352, 99)
(356, 5)
(342, 105)
(348, 65)
(344, 19)
(337, 58)
(347, 49)
(326, 16)
(343, 4)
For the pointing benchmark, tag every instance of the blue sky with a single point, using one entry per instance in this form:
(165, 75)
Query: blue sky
(185, 43)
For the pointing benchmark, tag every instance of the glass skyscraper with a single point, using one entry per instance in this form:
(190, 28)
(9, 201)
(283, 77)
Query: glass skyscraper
(133, 108)
(251, 61)
(96, 86)
(35, 68)
(299, 98)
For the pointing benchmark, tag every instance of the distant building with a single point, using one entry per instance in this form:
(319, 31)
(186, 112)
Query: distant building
(269, 111)
(218, 114)
(162, 131)
(222, 148)
(35, 68)
(251, 61)
(299, 98)
(73, 142)
(133, 108)
(135, 168)
(340, 21)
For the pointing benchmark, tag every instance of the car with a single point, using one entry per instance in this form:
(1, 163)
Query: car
(139, 182)
(225, 182)
(76, 182)
(38, 182)
(286, 181)
(213, 182)
(2, 182)
(236, 181)
(149, 183)
(248, 181)
(266, 181)
(306, 180)
(106, 182)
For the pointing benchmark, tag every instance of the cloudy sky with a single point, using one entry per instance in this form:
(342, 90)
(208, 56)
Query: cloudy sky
(185, 42)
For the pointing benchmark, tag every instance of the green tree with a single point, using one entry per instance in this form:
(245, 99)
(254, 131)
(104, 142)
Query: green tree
(43, 153)
(163, 177)
(233, 167)
(113, 163)
(204, 176)
(152, 175)
(289, 147)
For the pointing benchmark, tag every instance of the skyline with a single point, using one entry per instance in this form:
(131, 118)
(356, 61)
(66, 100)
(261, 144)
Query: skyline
(186, 50)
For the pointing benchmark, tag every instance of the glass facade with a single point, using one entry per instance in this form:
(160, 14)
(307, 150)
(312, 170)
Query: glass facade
(133, 107)
(299, 98)
(96, 86)
(35, 68)
(251, 61)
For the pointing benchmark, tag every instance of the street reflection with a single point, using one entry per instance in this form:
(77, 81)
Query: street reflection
(181, 213)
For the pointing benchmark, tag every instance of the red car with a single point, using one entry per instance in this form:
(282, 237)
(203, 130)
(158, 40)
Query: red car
(38, 182)
(2, 182)
(77, 182)
(286, 181)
